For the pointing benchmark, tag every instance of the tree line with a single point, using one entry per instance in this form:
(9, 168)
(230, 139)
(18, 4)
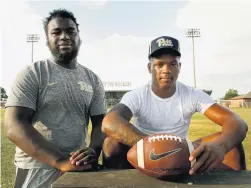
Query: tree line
(228, 95)
(231, 93)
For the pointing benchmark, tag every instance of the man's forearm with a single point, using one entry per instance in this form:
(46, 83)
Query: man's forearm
(29, 140)
(233, 132)
(121, 130)
(97, 139)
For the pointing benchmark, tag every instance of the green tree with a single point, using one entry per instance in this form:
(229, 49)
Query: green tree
(230, 94)
(209, 92)
(3, 93)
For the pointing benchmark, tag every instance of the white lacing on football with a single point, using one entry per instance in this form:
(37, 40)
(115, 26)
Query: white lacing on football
(164, 137)
(140, 154)
(191, 149)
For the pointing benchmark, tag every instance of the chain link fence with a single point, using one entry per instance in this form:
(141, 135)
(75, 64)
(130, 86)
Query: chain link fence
(113, 97)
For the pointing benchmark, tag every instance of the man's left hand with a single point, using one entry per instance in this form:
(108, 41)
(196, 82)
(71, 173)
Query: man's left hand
(208, 155)
(83, 156)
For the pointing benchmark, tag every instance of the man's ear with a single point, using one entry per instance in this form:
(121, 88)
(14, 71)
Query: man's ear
(47, 43)
(149, 67)
(179, 66)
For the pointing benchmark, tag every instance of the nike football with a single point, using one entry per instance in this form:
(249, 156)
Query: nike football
(161, 155)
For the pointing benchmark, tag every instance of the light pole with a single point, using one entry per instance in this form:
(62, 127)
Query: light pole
(32, 38)
(192, 33)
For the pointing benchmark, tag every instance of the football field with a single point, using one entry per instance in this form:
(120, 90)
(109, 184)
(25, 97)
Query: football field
(199, 127)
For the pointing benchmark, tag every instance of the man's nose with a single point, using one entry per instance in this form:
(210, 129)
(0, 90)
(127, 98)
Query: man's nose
(64, 35)
(166, 69)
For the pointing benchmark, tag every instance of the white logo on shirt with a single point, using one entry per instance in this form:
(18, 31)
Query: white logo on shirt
(163, 42)
(85, 87)
(51, 83)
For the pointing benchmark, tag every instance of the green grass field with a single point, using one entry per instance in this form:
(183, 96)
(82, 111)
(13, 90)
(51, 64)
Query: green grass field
(200, 127)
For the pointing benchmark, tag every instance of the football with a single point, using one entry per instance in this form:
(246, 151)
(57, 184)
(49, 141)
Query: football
(161, 155)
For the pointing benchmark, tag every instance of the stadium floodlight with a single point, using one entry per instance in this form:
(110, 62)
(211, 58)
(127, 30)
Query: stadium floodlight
(192, 33)
(32, 38)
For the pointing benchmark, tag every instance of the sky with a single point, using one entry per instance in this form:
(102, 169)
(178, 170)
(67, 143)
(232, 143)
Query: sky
(116, 35)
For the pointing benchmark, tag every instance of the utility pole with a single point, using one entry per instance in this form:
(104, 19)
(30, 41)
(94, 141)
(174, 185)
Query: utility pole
(192, 33)
(32, 38)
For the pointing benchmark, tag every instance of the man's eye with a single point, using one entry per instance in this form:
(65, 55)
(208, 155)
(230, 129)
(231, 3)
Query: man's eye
(55, 33)
(71, 32)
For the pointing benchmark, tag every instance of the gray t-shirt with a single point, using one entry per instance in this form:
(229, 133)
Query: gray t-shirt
(63, 100)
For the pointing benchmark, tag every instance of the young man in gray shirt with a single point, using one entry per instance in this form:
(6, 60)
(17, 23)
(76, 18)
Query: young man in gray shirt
(49, 107)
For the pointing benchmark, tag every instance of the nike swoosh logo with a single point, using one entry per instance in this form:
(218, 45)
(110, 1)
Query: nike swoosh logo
(155, 157)
(51, 84)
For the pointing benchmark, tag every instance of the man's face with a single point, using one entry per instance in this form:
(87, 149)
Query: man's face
(63, 39)
(165, 71)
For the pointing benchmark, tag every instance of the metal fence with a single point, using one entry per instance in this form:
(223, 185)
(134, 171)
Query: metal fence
(111, 102)
(113, 97)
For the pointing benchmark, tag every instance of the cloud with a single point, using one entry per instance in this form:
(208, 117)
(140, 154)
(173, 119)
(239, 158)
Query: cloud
(224, 48)
(94, 4)
(117, 58)
(16, 52)
(1, 58)
(222, 53)
(91, 4)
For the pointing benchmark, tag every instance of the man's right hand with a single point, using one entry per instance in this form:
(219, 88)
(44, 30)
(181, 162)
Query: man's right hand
(66, 166)
(83, 156)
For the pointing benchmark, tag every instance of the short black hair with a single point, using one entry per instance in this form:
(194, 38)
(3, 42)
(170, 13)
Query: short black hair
(59, 13)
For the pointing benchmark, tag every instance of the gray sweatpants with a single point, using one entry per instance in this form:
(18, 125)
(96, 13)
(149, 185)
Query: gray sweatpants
(36, 177)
